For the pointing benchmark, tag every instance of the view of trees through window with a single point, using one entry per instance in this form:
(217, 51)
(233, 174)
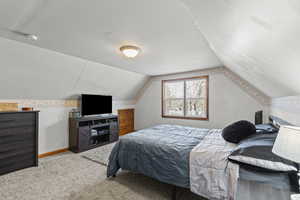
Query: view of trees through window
(185, 98)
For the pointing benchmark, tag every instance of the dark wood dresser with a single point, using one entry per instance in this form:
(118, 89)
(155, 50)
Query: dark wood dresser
(18, 140)
(126, 121)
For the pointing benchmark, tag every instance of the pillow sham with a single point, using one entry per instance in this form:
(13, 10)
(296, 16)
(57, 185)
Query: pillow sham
(238, 131)
(266, 129)
(257, 151)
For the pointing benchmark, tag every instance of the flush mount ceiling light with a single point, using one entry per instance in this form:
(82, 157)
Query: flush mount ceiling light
(130, 51)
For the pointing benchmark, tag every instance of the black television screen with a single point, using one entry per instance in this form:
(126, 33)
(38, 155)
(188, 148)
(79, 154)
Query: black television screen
(95, 104)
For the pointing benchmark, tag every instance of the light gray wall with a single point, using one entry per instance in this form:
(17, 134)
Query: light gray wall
(287, 108)
(54, 121)
(29, 72)
(228, 102)
(32, 76)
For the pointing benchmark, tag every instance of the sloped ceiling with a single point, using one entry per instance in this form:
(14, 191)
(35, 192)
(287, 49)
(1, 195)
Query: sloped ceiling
(95, 30)
(29, 72)
(257, 39)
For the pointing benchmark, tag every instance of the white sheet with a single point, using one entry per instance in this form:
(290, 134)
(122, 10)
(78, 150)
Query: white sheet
(211, 174)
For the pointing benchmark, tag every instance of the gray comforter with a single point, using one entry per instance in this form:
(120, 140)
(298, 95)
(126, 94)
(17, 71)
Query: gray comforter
(161, 152)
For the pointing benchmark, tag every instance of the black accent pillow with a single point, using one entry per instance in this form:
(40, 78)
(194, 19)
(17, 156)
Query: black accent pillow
(238, 131)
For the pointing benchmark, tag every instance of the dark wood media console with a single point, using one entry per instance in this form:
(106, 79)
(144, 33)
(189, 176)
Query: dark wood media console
(90, 132)
(18, 140)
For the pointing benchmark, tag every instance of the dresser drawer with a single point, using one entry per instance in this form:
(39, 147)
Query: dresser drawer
(127, 126)
(125, 130)
(11, 155)
(126, 113)
(17, 131)
(16, 146)
(16, 138)
(16, 163)
(16, 120)
(126, 116)
(17, 135)
(125, 121)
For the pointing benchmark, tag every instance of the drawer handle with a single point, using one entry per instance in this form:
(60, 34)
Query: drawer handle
(7, 120)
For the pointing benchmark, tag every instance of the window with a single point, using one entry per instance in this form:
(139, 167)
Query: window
(185, 98)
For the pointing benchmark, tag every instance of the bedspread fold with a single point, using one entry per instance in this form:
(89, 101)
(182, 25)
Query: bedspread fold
(211, 174)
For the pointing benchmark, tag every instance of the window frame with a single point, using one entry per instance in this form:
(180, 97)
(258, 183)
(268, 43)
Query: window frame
(184, 104)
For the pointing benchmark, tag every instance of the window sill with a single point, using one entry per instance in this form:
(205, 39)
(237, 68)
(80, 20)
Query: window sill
(187, 118)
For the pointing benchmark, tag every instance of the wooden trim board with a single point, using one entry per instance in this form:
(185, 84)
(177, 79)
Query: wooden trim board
(8, 106)
(53, 152)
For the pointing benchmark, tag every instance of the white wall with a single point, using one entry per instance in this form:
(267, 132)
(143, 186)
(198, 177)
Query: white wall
(53, 121)
(228, 102)
(29, 72)
(287, 108)
(31, 76)
(53, 128)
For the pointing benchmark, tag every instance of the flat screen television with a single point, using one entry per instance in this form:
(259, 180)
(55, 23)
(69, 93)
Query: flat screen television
(95, 104)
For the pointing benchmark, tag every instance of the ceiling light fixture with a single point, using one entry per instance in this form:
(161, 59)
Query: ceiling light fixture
(130, 51)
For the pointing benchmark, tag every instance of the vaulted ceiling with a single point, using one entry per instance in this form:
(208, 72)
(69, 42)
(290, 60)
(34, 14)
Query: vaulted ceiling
(95, 30)
(257, 39)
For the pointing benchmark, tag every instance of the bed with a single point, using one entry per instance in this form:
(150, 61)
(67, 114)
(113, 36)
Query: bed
(164, 153)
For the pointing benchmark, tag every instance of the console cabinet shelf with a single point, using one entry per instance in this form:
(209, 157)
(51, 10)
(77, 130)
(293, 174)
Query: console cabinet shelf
(90, 132)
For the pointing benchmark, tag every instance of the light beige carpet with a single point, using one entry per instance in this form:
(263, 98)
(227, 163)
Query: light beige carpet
(100, 154)
(71, 177)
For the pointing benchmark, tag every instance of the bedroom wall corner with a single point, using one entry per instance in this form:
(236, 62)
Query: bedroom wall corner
(229, 101)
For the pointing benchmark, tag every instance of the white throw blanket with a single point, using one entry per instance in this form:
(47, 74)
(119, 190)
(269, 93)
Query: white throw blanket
(211, 174)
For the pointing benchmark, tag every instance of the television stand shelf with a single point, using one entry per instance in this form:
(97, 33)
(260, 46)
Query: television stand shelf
(90, 132)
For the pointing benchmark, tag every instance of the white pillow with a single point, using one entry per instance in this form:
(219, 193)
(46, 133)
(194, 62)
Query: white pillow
(267, 164)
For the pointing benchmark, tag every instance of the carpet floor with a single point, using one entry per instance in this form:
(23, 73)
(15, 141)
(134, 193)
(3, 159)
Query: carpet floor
(69, 176)
(100, 154)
